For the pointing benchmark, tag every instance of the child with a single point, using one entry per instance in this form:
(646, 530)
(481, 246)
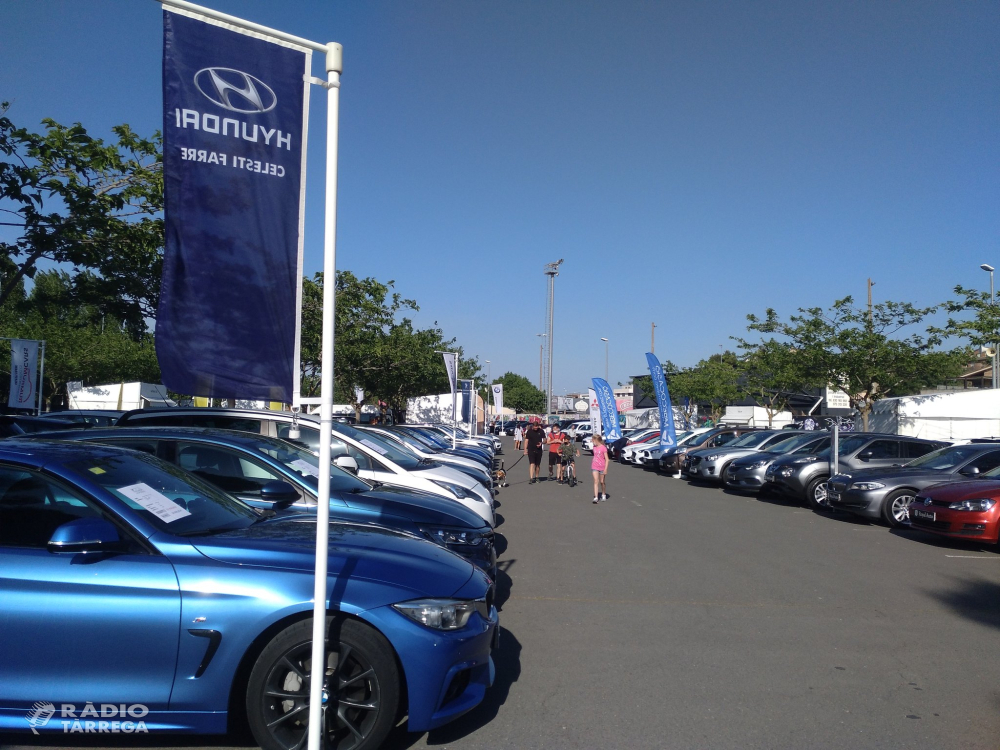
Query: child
(599, 468)
(568, 453)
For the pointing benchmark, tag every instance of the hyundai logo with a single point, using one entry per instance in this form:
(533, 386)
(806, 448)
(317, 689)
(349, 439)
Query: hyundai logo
(235, 90)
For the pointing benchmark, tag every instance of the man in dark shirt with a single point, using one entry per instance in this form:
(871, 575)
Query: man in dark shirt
(534, 439)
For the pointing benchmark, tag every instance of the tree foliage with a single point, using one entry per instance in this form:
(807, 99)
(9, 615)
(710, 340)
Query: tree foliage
(81, 342)
(983, 328)
(376, 348)
(771, 372)
(91, 208)
(521, 395)
(868, 357)
(714, 381)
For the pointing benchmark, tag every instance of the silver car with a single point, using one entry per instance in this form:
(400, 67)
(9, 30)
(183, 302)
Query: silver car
(709, 464)
(748, 474)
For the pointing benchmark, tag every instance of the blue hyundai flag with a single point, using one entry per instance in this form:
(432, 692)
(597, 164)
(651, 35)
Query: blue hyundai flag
(233, 138)
(609, 411)
(466, 400)
(668, 435)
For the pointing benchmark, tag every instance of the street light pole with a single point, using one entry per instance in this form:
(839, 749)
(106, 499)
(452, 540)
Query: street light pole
(605, 358)
(988, 267)
(551, 270)
(541, 347)
(486, 401)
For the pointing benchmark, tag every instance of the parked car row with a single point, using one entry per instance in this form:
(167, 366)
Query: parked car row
(931, 485)
(195, 530)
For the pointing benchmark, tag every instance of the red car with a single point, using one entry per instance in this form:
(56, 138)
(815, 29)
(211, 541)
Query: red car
(961, 510)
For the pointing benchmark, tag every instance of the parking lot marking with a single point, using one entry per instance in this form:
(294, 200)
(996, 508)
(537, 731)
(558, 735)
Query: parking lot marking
(974, 557)
(635, 503)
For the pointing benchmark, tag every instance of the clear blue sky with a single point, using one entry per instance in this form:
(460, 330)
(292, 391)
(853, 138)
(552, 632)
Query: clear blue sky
(692, 161)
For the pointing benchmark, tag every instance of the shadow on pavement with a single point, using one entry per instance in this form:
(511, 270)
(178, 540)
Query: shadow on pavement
(977, 600)
(499, 543)
(504, 583)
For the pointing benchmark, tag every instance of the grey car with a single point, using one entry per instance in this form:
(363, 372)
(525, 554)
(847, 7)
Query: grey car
(747, 474)
(805, 477)
(887, 493)
(709, 464)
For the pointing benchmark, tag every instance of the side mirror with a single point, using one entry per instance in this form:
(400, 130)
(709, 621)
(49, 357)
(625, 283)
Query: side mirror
(85, 535)
(865, 455)
(279, 493)
(347, 463)
(970, 471)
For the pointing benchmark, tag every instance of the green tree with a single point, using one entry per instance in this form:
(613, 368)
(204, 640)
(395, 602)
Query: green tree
(81, 342)
(867, 356)
(520, 394)
(714, 382)
(87, 205)
(771, 372)
(983, 328)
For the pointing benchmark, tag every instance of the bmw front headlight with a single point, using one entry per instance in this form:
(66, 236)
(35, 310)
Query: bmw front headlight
(865, 486)
(805, 460)
(441, 614)
(977, 505)
(445, 536)
(457, 490)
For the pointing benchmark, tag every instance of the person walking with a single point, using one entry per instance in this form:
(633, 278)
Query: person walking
(599, 468)
(555, 441)
(518, 436)
(534, 439)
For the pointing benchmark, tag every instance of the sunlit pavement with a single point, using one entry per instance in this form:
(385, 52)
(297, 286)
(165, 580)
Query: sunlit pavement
(679, 616)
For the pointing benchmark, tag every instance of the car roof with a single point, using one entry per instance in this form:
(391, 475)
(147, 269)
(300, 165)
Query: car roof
(232, 437)
(39, 453)
(228, 411)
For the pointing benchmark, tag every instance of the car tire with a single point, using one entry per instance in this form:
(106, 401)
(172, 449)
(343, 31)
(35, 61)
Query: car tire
(360, 712)
(895, 508)
(816, 494)
(722, 473)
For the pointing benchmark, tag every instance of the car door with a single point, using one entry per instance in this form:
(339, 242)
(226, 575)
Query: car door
(98, 627)
(882, 452)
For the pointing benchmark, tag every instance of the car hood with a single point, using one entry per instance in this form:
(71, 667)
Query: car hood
(420, 507)
(897, 475)
(968, 489)
(370, 552)
(755, 457)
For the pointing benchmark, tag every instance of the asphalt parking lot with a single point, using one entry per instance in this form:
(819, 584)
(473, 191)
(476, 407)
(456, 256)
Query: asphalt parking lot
(678, 616)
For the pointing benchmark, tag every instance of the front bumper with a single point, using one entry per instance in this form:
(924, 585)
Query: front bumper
(706, 471)
(447, 673)
(956, 524)
(745, 478)
(671, 464)
(861, 503)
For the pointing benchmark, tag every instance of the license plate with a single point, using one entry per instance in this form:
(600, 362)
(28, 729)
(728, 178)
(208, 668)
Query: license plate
(833, 497)
(924, 515)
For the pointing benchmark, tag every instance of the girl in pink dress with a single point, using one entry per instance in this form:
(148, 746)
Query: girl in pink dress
(599, 468)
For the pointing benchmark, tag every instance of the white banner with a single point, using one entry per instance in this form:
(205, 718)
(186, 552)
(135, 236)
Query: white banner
(595, 413)
(451, 365)
(23, 374)
(497, 389)
(359, 394)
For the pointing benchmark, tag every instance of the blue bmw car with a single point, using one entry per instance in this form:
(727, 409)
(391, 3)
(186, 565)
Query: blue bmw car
(132, 591)
(275, 474)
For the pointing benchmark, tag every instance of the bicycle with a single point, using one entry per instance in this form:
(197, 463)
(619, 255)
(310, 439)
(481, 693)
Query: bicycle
(569, 472)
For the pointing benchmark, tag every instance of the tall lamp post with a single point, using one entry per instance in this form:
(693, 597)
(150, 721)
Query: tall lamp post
(551, 271)
(605, 358)
(541, 347)
(988, 267)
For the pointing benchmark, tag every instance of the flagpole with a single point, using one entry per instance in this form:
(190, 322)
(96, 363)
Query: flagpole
(334, 67)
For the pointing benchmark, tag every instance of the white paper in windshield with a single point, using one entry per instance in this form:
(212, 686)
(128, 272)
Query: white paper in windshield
(155, 502)
(304, 467)
(374, 446)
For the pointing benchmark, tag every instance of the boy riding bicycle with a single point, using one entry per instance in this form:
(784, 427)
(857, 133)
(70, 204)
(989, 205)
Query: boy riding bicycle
(567, 455)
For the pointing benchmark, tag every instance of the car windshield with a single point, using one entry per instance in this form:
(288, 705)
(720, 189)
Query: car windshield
(793, 445)
(431, 438)
(944, 459)
(305, 464)
(749, 440)
(398, 454)
(166, 496)
(415, 442)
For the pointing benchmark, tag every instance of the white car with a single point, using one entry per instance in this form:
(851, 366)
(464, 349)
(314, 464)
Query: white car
(573, 432)
(650, 457)
(465, 465)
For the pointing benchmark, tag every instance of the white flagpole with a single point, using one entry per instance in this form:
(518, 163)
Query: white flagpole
(334, 67)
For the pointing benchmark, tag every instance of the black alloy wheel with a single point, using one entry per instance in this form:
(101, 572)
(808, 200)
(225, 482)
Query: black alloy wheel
(361, 692)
